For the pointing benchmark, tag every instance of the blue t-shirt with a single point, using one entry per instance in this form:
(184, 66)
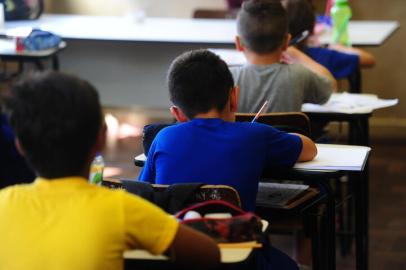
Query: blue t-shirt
(214, 151)
(340, 64)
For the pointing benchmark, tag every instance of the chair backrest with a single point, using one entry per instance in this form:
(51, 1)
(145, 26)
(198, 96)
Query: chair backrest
(173, 198)
(216, 192)
(287, 121)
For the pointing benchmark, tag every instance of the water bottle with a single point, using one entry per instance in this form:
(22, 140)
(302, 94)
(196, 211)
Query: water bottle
(96, 170)
(340, 15)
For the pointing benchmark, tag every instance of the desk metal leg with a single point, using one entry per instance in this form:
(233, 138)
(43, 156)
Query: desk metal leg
(55, 63)
(361, 219)
(330, 230)
(359, 135)
(359, 131)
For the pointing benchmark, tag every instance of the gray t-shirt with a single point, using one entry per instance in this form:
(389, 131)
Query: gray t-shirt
(286, 87)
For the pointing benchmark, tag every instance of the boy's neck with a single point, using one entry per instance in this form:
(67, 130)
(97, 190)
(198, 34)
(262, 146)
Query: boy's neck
(214, 113)
(263, 59)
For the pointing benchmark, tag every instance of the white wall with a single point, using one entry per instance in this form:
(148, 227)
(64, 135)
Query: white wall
(155, 8)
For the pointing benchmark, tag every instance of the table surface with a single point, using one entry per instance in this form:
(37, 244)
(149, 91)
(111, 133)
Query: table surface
(8, 48)
(177, 30)
(331, 157)
(229, 253)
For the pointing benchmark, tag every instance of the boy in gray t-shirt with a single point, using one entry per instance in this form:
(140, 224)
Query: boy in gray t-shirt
(275, 72)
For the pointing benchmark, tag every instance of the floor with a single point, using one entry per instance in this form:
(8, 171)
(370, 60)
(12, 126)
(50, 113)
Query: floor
(387, 187)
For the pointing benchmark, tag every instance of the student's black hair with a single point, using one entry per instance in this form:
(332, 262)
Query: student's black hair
(199, 81)
(300, 16)
(57, 118)
(262, 25)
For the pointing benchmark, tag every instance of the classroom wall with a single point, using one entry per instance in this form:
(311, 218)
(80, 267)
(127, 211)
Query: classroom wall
(160, 8)
(387, 79)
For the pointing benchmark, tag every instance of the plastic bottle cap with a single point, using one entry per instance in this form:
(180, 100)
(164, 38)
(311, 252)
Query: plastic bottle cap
(341, 1)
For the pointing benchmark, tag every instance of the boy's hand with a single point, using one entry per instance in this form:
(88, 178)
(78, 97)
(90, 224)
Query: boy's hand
(192, 249)
(292, 56)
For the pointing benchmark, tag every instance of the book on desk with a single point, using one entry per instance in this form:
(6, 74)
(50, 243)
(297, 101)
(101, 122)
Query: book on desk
(283, 196)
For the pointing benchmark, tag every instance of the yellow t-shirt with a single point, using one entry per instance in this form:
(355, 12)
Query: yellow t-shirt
(69, 224)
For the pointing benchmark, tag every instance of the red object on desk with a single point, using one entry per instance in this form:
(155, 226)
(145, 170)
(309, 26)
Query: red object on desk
(19, 44)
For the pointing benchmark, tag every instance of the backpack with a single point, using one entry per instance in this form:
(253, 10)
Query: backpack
(22, 9)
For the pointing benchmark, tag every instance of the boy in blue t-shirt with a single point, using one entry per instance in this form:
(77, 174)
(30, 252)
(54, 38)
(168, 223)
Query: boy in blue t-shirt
(207, 145)
(341, 61)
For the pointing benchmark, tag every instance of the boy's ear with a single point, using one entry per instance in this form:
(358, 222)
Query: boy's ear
(238, 44)
(286, 42)
(235, 91)
(19, 147)
(178, 114)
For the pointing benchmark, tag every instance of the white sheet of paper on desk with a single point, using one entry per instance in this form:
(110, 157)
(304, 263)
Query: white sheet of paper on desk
(350, 103)
(337, 157)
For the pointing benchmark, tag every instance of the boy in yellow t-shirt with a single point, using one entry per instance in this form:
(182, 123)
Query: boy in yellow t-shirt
(62, 222)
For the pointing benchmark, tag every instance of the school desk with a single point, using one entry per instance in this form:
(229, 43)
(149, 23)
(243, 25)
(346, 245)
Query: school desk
(331, 162)
(232, 256)
(8, 53)
(127, 59)
(355, 109)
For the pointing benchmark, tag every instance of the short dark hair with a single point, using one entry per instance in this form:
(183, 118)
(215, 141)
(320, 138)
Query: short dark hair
(199, 81)
(300, 16)
(262, 25)
(57, 118)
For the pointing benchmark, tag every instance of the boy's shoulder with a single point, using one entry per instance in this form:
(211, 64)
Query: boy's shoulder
(271, 68)
(245, 128)
(15, 189)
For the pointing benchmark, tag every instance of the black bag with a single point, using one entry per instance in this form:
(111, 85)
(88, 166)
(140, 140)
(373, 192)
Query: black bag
(171, 199)
(22, 9)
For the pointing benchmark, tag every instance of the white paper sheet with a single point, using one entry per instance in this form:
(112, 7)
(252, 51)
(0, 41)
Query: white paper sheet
(337, 157)
(350, 103)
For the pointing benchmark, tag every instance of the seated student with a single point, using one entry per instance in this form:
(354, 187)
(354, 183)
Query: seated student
(263, 38)
(207, 145)
(341, 61)
(61, 221)
(13, 168)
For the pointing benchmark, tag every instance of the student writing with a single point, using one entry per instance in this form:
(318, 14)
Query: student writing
(207, 145)
(341, 61)
(263, 37)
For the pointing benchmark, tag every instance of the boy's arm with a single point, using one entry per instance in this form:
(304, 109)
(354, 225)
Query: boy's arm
(148, 227)
(193, 249)
(294, 55)
(309, 149)
(366, 60)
